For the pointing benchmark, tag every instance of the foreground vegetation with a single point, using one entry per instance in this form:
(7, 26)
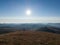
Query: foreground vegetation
(29, 38)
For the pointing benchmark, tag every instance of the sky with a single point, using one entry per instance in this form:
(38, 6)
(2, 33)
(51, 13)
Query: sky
(14, 11)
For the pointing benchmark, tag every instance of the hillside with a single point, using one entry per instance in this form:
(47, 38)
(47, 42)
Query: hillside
(29, 38)
(50, 27)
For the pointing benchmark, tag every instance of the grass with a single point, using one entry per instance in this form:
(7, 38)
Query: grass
(30, 38)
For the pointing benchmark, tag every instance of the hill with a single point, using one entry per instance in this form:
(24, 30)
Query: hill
(30, 38)
(49, 27)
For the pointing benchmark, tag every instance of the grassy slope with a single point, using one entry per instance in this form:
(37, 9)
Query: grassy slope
(30, 38)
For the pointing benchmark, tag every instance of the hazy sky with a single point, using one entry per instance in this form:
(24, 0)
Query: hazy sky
(41, 10)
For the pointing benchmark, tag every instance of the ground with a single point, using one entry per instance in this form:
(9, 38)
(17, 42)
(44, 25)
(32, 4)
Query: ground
(29, 38)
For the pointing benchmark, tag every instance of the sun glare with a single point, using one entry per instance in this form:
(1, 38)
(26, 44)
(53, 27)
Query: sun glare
(28, 12)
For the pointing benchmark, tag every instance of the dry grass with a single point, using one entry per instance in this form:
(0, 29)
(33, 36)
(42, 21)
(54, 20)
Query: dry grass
(30, 38)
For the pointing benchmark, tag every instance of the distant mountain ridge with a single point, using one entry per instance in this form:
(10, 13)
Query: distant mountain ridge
(49, 27)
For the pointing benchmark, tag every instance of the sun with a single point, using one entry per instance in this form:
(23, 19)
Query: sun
(28, 12)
